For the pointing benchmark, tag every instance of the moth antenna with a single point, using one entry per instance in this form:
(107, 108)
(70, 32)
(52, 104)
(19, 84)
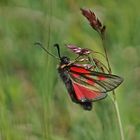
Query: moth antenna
(41, 46)
(58, 49)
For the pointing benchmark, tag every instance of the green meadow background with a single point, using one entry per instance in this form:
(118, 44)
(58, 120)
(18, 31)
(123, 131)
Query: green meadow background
(34, 103)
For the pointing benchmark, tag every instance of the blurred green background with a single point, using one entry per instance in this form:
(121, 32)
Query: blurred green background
(34, 104)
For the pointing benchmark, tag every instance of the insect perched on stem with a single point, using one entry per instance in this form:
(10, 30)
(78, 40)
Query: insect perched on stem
(83, 82)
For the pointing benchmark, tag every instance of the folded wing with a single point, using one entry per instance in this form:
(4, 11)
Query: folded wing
(84, 94)
(95, 81)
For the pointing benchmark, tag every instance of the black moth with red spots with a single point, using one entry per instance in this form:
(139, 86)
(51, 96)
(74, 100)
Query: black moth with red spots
(85, 85)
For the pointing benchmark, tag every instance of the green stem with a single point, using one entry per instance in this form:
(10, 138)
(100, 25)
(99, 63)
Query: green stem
(118, 116)
(46, 125)
(114, 95)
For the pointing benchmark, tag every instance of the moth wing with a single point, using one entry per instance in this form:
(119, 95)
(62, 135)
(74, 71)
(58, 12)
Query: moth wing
(96, 81)
(84, 94)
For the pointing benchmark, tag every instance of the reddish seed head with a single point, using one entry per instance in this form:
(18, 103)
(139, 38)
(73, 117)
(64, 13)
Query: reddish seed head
(78, 50)
(93, 20)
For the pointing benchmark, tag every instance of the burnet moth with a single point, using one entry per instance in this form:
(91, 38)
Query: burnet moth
(84, 78)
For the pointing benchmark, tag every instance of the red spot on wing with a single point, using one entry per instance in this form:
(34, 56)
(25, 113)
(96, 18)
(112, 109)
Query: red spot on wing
(102, 78)
(79, 69)
(75, 75)
(85, 93)
(90, 81)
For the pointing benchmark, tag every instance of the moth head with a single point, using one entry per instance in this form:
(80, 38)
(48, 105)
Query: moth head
(65, 60)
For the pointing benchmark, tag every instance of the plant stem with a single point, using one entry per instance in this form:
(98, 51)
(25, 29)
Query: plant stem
(114, 95)
(118, 116)
(46, 125)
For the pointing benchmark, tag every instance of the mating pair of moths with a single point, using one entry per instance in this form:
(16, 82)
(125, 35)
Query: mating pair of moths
(84, 78)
